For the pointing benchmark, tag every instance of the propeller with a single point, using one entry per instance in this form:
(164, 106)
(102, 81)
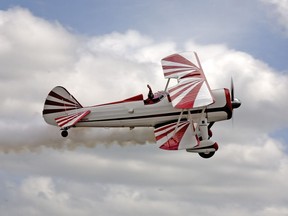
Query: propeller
(232, 89)
(236, 103)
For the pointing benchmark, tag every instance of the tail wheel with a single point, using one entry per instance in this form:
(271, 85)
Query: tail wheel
(64, 133)
(206, 155)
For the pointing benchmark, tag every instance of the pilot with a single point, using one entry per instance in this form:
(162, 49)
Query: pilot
(150, 93)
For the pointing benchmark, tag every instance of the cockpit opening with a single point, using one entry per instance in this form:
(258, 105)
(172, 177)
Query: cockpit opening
(154, 97)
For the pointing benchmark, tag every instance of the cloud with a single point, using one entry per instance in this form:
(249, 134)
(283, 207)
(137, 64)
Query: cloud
(149, 182)
(33, 44)
(279, 10)
(90, 172)
(42, 55)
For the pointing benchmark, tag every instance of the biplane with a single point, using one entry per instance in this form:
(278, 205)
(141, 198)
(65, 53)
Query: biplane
(182, 115)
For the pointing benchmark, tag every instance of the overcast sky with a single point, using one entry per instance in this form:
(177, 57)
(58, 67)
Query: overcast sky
(103, 51)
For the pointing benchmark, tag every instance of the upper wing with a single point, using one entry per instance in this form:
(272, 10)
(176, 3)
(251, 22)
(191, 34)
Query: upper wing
(71, 120)
(175, 136)
(192, 89)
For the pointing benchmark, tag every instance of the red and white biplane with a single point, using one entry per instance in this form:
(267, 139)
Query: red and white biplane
(182, 115)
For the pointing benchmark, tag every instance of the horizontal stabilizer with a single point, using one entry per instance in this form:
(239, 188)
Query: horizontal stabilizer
(70, 120)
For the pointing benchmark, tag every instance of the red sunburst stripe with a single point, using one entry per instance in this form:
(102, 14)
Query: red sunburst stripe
(177, 87)
(191, 79)
(165, 133)
(68, 120)
(191, 75)
(61, 121)
(167, 67)
(178, 59)
(180, 93)
(179, 71)
(173, 142)
(64, 118)
(189, 100)
(183, 89)
(170, 145)
(164, 127)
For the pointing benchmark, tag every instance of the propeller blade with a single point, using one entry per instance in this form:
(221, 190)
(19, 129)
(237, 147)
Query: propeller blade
(232, 90)
(235, 102)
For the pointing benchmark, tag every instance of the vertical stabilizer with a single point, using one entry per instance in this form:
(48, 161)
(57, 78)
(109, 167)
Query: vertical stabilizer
(58, 102)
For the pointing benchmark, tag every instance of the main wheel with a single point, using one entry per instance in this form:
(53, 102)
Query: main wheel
(64, 133)
(206, 155)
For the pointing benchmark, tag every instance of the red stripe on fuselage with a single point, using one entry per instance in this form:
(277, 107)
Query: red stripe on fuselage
(132, 99)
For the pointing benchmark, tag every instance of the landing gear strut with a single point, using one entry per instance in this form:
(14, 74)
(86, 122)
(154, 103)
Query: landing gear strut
(64, 133)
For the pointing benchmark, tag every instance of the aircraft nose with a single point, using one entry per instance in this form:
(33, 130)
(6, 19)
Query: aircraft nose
(236, 103)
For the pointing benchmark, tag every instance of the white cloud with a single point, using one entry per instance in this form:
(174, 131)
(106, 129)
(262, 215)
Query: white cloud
(41, 188)
(33, 45)
(280, 11)
(44, 174)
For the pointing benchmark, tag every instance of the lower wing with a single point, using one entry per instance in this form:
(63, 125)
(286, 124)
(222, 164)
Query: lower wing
(176, 136)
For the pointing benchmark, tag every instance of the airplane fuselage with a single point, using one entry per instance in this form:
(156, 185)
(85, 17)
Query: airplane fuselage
(182, 117)
(134, 112)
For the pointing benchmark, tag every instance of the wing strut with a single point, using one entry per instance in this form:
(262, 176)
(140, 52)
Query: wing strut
(179, 119)
(167, 84)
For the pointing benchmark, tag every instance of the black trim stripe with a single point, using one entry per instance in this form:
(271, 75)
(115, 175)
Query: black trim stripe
(223, 109)
(55, 95)
(50, 111)
(206, 147)
(54, 103)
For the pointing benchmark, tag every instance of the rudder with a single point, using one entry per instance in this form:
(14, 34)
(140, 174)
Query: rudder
(57, 103)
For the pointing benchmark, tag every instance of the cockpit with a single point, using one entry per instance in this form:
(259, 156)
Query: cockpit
(154, 97)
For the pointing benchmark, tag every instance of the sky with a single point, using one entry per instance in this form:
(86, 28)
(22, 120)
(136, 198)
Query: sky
(104, 51)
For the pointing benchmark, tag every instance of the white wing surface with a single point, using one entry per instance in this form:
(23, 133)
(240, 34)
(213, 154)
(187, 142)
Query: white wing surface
(176, 136)
(192, 90)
